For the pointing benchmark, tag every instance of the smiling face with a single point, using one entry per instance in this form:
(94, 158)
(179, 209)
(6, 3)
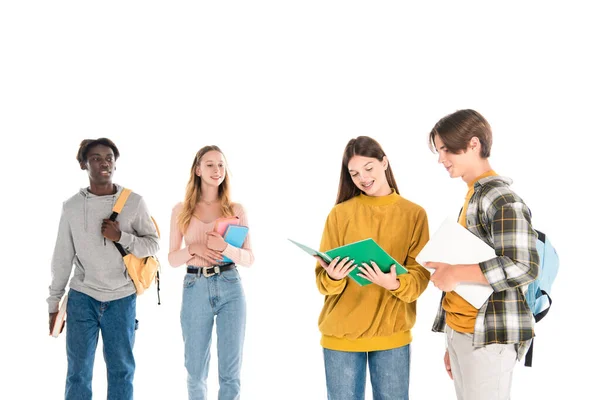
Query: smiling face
(462, 164)
(100, 164)
(368, 174)
(212, 168)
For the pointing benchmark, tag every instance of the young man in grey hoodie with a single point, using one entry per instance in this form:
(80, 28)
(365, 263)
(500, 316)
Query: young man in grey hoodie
(102, 296)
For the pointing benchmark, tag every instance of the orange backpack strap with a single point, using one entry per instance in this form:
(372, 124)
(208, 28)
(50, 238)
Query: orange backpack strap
(116, 210)
(121, 203)
(155, 225)
(121, 200)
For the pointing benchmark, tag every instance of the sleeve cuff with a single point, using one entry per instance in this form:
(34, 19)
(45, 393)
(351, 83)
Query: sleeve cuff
(52, 306)
(228, 252)
(494, 273)
(332, 283)
(126, 239)
(396, 292)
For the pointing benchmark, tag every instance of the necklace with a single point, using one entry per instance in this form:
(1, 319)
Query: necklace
(208, 203)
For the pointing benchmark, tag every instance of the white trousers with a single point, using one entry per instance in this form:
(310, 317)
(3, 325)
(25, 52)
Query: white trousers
(480, 373)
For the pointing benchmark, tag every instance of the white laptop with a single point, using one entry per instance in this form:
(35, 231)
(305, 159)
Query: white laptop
(454, 244)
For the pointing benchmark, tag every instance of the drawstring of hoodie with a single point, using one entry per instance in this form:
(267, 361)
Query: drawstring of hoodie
(86, 198)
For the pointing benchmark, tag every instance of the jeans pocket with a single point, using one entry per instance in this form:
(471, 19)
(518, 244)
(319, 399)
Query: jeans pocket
(231, 276)
(189, 280)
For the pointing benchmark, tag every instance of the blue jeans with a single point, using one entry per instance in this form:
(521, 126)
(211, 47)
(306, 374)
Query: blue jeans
(86, 318)
(220, 296)
(346, 373)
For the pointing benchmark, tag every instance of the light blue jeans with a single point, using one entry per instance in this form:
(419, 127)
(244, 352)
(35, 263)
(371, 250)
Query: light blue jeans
(346, 373)
(86, 318)
(220, 296)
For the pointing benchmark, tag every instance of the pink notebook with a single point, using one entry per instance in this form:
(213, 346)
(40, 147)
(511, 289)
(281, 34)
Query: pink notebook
(221, 224)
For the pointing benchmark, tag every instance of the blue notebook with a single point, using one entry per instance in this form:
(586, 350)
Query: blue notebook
(235, 235)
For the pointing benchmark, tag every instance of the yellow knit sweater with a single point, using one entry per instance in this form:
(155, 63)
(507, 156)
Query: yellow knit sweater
(370, 318)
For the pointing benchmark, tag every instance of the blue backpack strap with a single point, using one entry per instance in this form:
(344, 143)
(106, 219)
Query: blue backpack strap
(538, 317)
(542, 314)
(529, 355)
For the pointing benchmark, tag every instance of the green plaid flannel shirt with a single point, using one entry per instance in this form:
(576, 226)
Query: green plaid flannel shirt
(499, 217)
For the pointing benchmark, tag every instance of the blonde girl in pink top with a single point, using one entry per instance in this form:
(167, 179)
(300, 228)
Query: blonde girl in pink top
(212, 290)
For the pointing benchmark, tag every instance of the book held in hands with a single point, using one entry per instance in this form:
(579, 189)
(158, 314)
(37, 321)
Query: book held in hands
(362, 251)
(235, 235)
(60, 317)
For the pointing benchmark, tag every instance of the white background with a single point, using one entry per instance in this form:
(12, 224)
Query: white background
(281, 87)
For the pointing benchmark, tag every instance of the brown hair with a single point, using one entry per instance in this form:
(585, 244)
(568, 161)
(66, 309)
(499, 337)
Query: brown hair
(456, 130)
(87, 144)
(366, 147)
(193, 191)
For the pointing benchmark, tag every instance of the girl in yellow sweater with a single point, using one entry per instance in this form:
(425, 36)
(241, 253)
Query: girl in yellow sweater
(370, 324)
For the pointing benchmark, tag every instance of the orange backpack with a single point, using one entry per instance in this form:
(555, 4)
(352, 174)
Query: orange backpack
(141, 270)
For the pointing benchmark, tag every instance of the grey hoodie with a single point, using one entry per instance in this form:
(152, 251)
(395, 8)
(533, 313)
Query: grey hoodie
(99, 268)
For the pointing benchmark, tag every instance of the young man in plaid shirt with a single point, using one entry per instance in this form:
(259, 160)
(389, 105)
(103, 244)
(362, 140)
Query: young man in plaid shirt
(484, 344)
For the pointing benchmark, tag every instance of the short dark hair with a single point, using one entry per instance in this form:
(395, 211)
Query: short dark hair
(457, 129)
(87, 144)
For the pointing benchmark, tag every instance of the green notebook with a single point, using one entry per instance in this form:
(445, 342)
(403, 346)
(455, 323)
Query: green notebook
(363, 251)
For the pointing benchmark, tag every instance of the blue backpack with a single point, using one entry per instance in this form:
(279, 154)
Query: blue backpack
(538, 291)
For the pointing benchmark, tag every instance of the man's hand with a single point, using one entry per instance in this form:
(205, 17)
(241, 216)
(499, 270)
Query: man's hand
(443, 276)
(51, 319)
(447, 365)
(110, 230)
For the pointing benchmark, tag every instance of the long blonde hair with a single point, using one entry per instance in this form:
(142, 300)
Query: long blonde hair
(193, 191)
